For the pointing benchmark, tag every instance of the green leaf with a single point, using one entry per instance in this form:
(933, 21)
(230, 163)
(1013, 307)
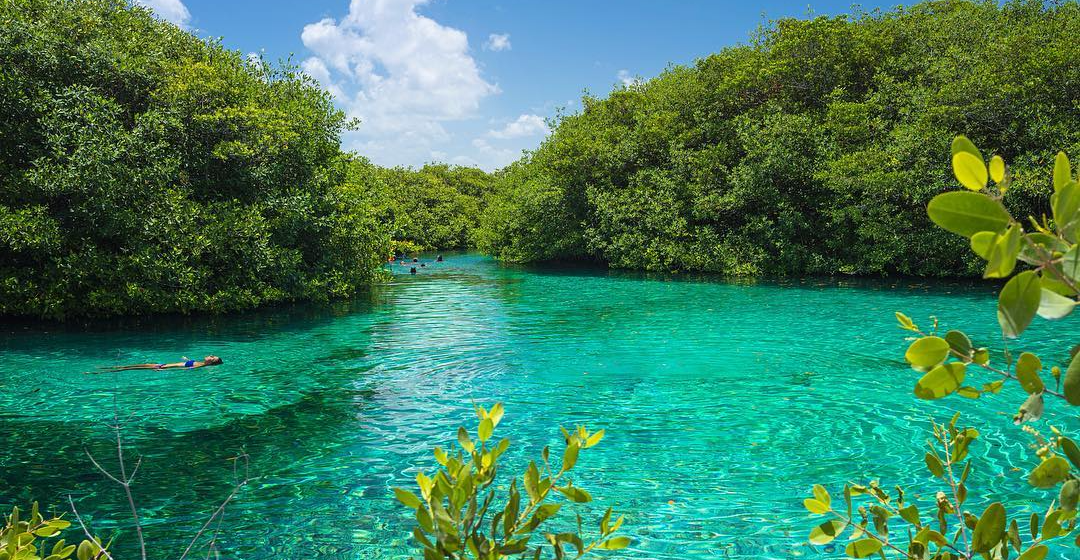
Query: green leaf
(967, 213)
(963, 144)
(959, 343)
(1069, 494)
(982, 243)
(408, 498)
(615, 543)
(1003, 253)
(989, 529)
(594, 439)
(970, 171)
(1062, 171)
(905, 322)
(1053, 306)
(532, 481)
(927, 352)
(1049, 473)
(1037, 552)
(941, 381)
(1027, 372)
(969, 392)
(496, 414)
(1018, 303)
(1071, 386)
(485, 430)
(862, 548)
(910, 514)
(1069, 448)
(815, 506)
(934, 465)
(827, 531)
(997, 169)
(822, 495)
(570, 456)
(1065, 205)
(575, 494)
(464, 441)
(1051, 525)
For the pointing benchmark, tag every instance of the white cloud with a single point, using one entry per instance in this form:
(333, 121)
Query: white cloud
(499, 147)
(525, 125)
(402, 74)
(173, 11)
(491, 157)
(626, 78)
(498, 42)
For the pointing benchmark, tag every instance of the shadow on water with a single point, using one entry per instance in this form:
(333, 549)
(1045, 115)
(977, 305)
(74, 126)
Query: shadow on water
(181, 470)
(249, 325)
(580, 269)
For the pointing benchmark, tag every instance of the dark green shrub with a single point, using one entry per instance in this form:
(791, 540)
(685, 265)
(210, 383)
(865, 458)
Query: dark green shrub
(145, 170)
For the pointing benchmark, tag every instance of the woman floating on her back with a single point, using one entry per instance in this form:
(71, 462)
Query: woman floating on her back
(187, 363)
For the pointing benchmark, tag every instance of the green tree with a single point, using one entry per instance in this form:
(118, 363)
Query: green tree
(810, 150)
(145, 170)
(435, 207)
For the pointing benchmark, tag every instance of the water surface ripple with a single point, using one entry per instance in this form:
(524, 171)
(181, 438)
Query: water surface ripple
(723, 403)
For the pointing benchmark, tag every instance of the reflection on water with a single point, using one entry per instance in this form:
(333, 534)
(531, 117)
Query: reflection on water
(723, 401)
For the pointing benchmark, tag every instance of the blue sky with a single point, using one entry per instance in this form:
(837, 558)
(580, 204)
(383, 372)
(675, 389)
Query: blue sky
(471, 81)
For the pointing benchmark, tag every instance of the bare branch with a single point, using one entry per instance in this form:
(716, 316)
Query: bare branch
(101, 468)
(86, 530)
(220, 511)
(126, 484)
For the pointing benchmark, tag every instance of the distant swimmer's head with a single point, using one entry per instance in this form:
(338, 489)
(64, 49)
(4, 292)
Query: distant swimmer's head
(212, 361)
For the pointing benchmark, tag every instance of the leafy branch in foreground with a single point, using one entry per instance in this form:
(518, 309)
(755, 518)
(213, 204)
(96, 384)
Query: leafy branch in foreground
(27, 539)
(1049, 289)
(454, 505)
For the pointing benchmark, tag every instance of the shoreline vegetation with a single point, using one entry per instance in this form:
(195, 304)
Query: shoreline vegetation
(148, 171)
(813, 149)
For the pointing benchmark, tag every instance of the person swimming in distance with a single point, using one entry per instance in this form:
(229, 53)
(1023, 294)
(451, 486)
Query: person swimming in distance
(416, 260)
(412, 270)
(438, 258)
(187, 363)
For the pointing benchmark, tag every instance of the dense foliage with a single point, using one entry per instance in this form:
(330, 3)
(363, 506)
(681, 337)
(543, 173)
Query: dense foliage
(813, 149)
(948, 363)
(435, 207)
(145, 170)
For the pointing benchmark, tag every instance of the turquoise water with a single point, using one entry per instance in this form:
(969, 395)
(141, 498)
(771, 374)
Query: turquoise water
(723, 403)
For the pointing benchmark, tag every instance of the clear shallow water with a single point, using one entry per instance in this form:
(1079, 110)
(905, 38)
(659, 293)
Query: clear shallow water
(723, 403)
